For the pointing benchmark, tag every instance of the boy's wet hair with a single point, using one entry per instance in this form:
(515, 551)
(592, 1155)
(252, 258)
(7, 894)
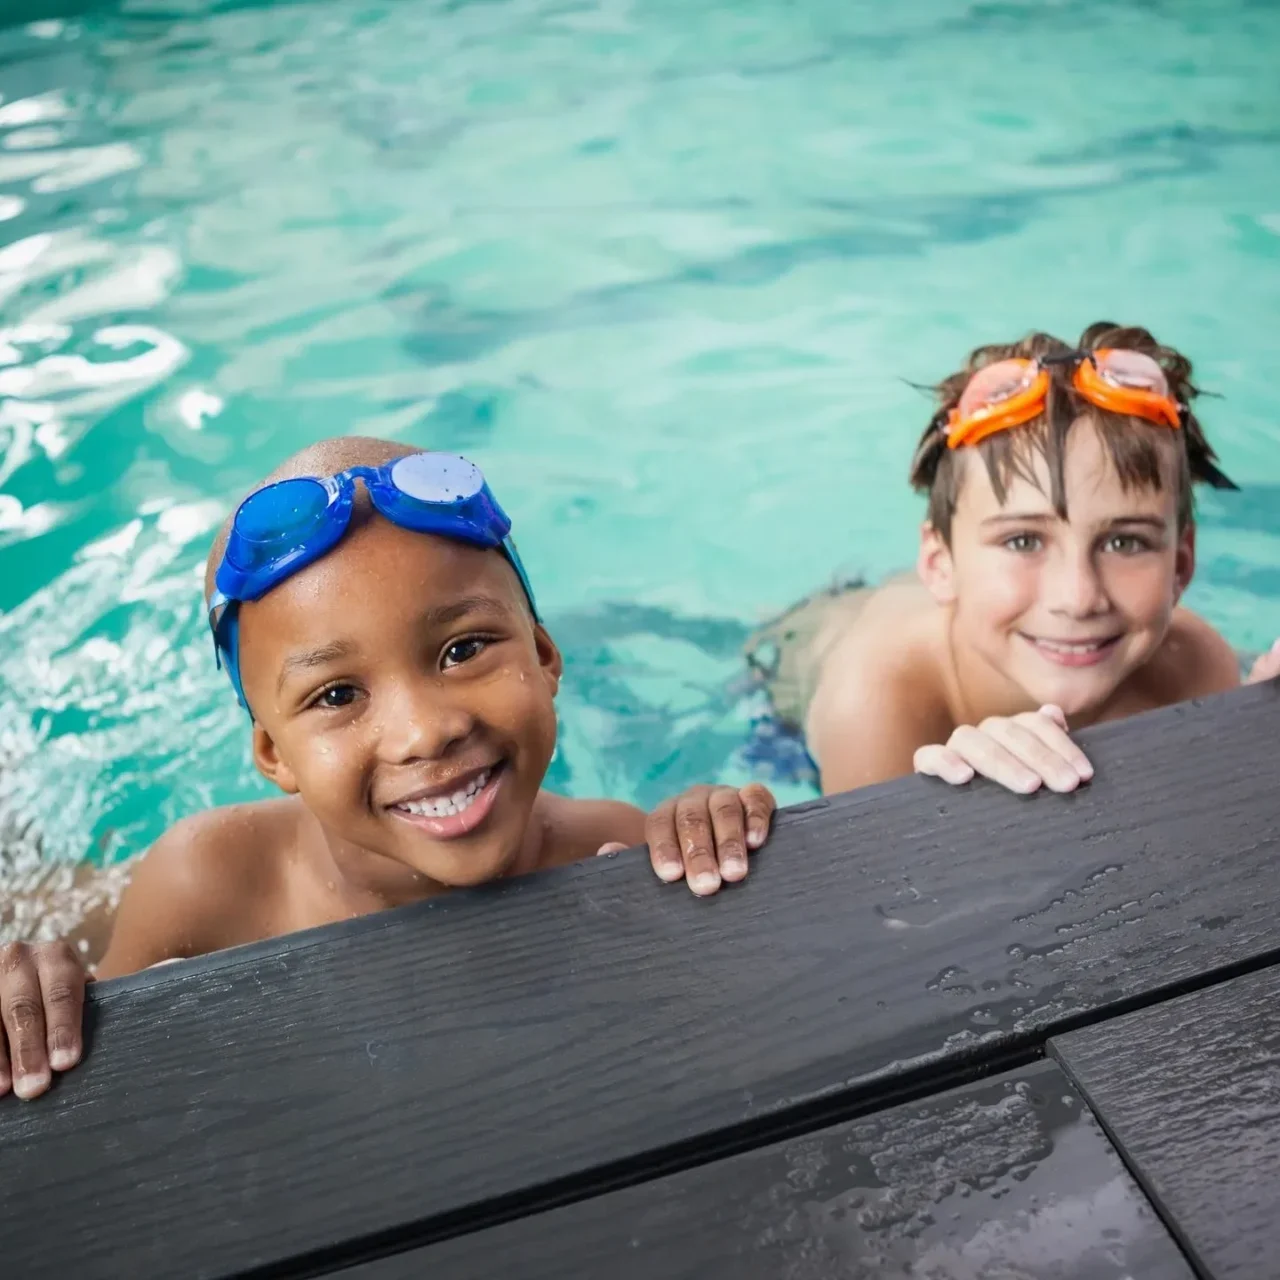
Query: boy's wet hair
(1132, 443)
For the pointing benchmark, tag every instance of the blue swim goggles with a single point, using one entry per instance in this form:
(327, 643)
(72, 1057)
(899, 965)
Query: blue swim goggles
(288, 525)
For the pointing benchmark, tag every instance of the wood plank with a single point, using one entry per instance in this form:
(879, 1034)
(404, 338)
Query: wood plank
(1007, 1177)
(1190, 1092)
(418, 1073)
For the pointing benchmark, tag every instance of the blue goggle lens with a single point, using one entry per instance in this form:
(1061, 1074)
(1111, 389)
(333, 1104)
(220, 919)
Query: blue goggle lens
(279, 516)
(437, 478)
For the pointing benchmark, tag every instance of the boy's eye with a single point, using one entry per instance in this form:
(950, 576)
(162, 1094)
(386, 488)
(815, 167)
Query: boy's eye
(461, 651)
(1023, 542)
(1126, 544)
(336, 696)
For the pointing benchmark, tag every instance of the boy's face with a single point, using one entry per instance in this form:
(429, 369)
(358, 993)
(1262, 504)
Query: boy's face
(401, 687)
(1065, 609)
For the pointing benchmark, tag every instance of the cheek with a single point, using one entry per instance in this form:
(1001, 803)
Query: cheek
(996, 587)
(519, 708)
(1144, 587)
(533, 721)
(329, 770)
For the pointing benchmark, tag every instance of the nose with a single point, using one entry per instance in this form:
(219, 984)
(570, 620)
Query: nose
(422, 720)
(1075, 588)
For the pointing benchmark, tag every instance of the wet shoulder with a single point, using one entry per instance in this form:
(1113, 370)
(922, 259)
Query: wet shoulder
(896, 638)
(575, 829)
(222, 854)
(213, 880)
(1195, 660)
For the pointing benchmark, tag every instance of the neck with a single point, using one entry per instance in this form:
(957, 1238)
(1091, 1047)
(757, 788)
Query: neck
(369, 881)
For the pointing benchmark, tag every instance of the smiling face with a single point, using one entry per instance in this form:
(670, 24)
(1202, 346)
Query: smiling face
(1063, 609)
(401, 687)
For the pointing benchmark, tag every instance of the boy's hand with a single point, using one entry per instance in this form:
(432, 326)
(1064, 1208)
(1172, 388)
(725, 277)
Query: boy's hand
(1019, 752)
(41, 1005)
(1266, 667)
(704, 835)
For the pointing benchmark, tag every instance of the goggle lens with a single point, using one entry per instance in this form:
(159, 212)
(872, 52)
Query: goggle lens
(437, 478)
(277, 517)
(994, 385)
(1132, 370)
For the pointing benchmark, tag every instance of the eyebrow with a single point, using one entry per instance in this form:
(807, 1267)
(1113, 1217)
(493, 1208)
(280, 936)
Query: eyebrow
(310, 658)
(1020, 517)
(1150, 522)
(442, 615)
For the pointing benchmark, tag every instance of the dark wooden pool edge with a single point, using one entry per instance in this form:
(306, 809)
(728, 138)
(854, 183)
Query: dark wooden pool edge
(990, 1054)
(790, 816)
(1165, 1085)
(799, 1121)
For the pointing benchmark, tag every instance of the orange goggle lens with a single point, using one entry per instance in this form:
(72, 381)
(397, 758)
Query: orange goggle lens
(1003, 395)
(1128, 382)
(1011, 392)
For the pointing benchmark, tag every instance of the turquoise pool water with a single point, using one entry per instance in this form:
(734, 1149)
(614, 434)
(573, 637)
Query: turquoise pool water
(666, 268)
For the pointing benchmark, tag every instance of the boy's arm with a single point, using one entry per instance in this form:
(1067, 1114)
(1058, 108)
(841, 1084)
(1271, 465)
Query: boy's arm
(865, 725)
(179, 892)
(582, 827)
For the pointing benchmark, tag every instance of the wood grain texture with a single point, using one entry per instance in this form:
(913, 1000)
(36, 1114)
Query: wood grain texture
(1190, 1091)
(532, 1038)
(1009, 1178)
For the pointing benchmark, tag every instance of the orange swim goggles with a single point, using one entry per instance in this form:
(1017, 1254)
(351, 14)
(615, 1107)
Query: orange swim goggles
(1011, 392)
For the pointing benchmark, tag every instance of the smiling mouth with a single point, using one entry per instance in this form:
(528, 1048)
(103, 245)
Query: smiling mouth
(452, 804)
(1073, 653)
(448, 815)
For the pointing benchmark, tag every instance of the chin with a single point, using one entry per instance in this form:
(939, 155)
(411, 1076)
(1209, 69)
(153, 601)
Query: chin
(1077, 693)
(460, 868)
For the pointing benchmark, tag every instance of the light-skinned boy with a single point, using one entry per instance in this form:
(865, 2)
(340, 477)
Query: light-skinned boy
(1059, 539)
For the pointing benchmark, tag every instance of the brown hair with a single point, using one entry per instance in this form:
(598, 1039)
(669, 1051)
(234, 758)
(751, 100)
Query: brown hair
(1131, 443)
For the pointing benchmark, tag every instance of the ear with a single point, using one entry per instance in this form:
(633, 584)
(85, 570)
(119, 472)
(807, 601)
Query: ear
(268, 762)
(935, 565)
(549, 660)
(1184, 561)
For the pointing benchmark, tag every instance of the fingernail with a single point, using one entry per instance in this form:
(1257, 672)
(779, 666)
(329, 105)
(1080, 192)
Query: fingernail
(670, 871)
(756, 836)
(1085, 770)
(63, 1057)
(705, 882)
(1028, 782)
(733, 867)
(30, 1085)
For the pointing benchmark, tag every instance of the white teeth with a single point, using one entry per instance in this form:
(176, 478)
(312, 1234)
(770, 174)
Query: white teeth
(1058, 646)
(446, 806)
